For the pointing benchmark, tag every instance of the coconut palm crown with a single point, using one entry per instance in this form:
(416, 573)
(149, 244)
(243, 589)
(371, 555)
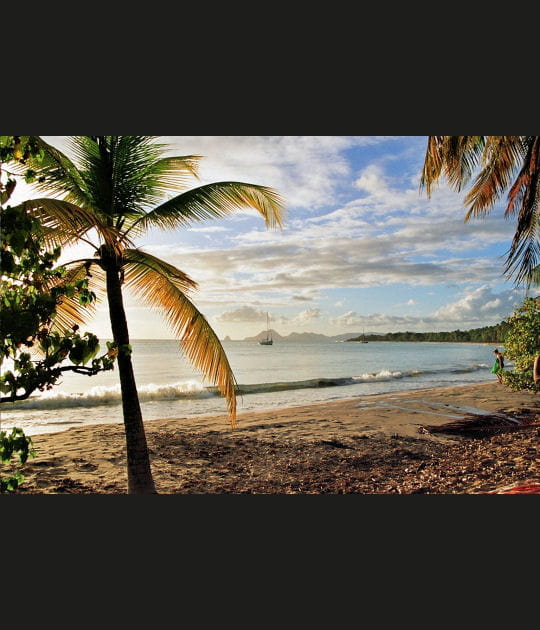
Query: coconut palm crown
(499, 164)
(109, 195)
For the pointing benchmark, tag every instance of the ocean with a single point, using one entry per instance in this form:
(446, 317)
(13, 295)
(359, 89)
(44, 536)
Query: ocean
(286, 374)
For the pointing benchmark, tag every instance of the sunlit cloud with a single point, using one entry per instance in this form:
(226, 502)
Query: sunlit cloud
(356, 220)
(475, 308)
(209, 229)
(242, 315)
(307, 316)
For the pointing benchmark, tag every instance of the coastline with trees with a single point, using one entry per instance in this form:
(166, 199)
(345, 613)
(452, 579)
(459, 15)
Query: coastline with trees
(486, 334)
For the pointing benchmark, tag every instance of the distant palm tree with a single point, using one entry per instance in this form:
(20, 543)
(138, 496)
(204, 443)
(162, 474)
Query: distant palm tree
(113, 192)
(502, 163)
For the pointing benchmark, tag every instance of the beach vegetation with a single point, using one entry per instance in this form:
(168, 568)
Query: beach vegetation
(498, 164)
(35, 347)
(119, 187)
(39, 347)
(484, 334)
(41, 307)
(522, 345)
(14, 445)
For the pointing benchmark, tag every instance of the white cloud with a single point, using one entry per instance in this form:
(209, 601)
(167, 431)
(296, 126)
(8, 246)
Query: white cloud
(209, 229)
(480, 305)
(348, 225)
(306, 170)
(372, 180)
(307, 316)
(476, 308)
(241, 315)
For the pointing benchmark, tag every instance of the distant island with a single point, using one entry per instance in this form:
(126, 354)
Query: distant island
(486, 334)
(297, 337)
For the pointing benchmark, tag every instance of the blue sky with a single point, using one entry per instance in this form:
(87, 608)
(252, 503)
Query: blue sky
(362, 247)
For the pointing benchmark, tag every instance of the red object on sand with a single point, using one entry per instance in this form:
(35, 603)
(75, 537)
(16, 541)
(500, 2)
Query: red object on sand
(529, 488)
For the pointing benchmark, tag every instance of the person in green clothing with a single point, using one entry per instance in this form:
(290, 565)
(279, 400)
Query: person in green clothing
(498, 365)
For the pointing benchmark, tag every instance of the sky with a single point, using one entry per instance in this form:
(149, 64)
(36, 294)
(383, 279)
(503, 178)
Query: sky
(362, 249)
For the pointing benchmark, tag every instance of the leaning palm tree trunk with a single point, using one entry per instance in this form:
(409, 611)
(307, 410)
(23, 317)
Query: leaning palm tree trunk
(112, 189)
(140, 479)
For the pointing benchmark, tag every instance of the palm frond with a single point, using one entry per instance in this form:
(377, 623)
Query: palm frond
(143, 271)
(523, 198)
(455, 157)
(213, 201)
(463, 156)
(179, 171)
(202, 347)
(525, 191)
(63, 222)
(69, 311)
(501, 157)
(159, 286)
(523, 261)
(61, 175)
(125, 175)
(524, 254)
(433, 161)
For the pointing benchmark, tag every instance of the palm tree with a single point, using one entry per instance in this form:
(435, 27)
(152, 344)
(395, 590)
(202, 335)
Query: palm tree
(500, 163)
(112, 193)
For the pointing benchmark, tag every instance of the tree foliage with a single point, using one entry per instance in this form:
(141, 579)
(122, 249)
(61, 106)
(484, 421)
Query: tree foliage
(114, 190)
(31, 290)
(498, 164)
(14, 444)
(522, 344)
(485, 334)
(33, 355)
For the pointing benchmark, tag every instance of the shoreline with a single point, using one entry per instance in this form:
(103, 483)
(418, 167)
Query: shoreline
(375, 443)
(102, 409)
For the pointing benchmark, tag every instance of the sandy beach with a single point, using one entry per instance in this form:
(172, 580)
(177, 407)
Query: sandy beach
(385, 443)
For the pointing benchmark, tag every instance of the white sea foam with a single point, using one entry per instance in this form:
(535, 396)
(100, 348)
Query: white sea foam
(100, 395)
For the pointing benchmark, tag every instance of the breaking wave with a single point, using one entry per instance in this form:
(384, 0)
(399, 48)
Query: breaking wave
(194, 390)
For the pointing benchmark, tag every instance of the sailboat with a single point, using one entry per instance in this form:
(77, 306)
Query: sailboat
(268, 341)
(364, 340)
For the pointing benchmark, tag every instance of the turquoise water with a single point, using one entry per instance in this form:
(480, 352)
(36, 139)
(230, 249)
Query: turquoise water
(282, 375)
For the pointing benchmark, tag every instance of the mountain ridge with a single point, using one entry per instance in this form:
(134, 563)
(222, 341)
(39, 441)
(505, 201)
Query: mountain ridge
(298, 337)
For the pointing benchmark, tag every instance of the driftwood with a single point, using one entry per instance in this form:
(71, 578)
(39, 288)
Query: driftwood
(474, 425)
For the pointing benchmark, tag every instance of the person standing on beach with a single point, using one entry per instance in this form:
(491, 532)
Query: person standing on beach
(536, 369)
(498, 365)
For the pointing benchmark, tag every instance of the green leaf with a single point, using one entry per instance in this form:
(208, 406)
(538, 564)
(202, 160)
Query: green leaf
(17, 242)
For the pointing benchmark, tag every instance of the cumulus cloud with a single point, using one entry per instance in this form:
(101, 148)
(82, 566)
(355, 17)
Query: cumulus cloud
(474, 309)
(243, 314)
(349, 225)
(293, 270)
(306, 170)
(377, 322)
(372, 180)
(481, 304)
(307, 316)
(209, 229)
